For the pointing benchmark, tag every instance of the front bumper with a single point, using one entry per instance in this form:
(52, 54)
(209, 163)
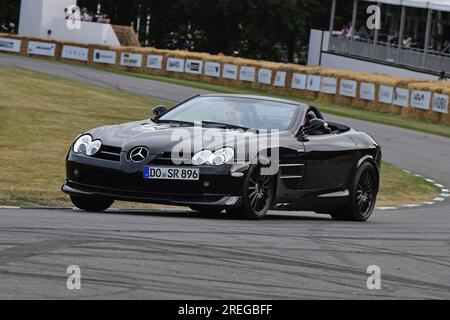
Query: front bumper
(100, 178)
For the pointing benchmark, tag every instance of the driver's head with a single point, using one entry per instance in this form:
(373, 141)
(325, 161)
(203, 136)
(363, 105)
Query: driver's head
(233, 115)
(309, 116)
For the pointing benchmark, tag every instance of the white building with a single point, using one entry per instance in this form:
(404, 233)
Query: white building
(47, 19)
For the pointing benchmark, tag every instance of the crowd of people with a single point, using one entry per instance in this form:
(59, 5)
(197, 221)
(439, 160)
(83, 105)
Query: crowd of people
(85, 15)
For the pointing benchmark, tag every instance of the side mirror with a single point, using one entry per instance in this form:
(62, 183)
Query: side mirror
(315, 125)
(159, 110)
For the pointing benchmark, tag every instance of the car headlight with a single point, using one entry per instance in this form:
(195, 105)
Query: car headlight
(217, 158)
(84, 144)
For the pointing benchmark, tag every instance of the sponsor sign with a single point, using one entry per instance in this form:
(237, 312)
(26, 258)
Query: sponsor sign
(104, 56)
(347, 88)
(131, 59)
(154, 61)
(280, 79)
(194, 66)
(440, 103)
(421, 99)
(367, 91)
(328, 85)
(265, 76)
(212, 69)
(175, 64)
(299, 81)
(386, 94)
(41, 48)
(401, 97)
(247, 74)
(230, 71)
(313, 83)
(10, 45)
(75, 53)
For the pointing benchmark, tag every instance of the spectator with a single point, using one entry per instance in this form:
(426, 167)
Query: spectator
(442, 76)
(85, 16)
(446, 47)
(343, 33)
(393, 39)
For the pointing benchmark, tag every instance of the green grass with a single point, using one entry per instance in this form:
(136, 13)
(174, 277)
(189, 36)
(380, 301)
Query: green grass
(40, 115)
(388, 118)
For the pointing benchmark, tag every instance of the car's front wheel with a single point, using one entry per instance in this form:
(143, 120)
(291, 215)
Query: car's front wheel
(363, 195)
(257, 195)
(91, 204)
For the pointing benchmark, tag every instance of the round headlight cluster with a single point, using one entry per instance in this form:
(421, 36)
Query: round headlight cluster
(84, 144)
(217, 158)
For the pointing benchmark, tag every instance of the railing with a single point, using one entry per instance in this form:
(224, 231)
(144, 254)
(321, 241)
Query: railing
(384, 52)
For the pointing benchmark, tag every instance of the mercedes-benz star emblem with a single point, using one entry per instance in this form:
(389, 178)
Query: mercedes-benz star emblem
(138, 154)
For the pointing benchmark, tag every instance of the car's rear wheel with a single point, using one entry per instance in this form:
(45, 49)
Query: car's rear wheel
(206, 208)
(257, 195)
(91, 204)
(363, 195)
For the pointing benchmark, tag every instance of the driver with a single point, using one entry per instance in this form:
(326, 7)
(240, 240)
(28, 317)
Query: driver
(309, 116)
(233, 115)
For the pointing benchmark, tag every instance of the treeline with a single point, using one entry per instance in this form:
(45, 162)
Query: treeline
(276, 30)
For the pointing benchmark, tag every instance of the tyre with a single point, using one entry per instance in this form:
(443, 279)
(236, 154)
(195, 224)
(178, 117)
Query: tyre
(91, 204)
(257, 195)
(206, 208)
(363, 195)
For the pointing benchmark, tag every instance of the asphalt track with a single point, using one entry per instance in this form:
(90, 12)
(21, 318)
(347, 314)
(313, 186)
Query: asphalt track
(186, 255)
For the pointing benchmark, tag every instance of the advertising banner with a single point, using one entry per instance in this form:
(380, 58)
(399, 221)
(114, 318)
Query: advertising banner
(247, 74)
(328, 85)
(175, 64)
(440, 103)
(41, 48)
(386, 94)
(104, 56)
(347, 88)
(367, 91)
(131, 59)
(230, 71)
(154, 61)
(421, 99)
(265, 76)
(10, 45)
(280, 79)
(299, 81)
(401, 97)
(313, 83)
(194, 66)
(212, 69)
(75, 53)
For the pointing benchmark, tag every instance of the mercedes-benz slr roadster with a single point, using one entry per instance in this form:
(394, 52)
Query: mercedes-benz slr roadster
(239, 153)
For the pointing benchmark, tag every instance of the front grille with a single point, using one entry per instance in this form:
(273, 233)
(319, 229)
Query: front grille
(165, 159)
(109, 153)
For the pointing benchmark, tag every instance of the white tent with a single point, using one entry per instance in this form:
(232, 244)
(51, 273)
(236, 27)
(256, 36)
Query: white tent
(439, 5)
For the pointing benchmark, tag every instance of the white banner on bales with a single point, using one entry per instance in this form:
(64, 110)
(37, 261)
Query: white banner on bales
(401, 97)
(347, 88)
(385, 94)
(131, 59)
(313, 82)
(175, 64)
(367, 91)
(420, 99)
(41, 48)
(230, 71)
(212, 69)
(265, 76)
(440, 103)
(247, 74)
(75, 53)
(280, 79)
(299, 81)
(154, 61)
(194, 66)
(328, 85)
(104, 56)
(10, 45)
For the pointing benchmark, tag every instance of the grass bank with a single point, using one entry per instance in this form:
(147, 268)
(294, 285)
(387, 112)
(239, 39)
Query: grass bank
(40, 115)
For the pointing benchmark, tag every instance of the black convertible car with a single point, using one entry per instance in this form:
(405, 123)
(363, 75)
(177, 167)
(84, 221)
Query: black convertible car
(240, 153)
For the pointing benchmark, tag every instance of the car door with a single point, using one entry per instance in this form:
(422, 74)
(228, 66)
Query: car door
(329, 159)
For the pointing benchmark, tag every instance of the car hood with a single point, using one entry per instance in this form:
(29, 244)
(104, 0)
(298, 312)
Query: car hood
(160, 138)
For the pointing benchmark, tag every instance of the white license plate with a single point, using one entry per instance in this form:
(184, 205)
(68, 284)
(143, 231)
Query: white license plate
(171, 173)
